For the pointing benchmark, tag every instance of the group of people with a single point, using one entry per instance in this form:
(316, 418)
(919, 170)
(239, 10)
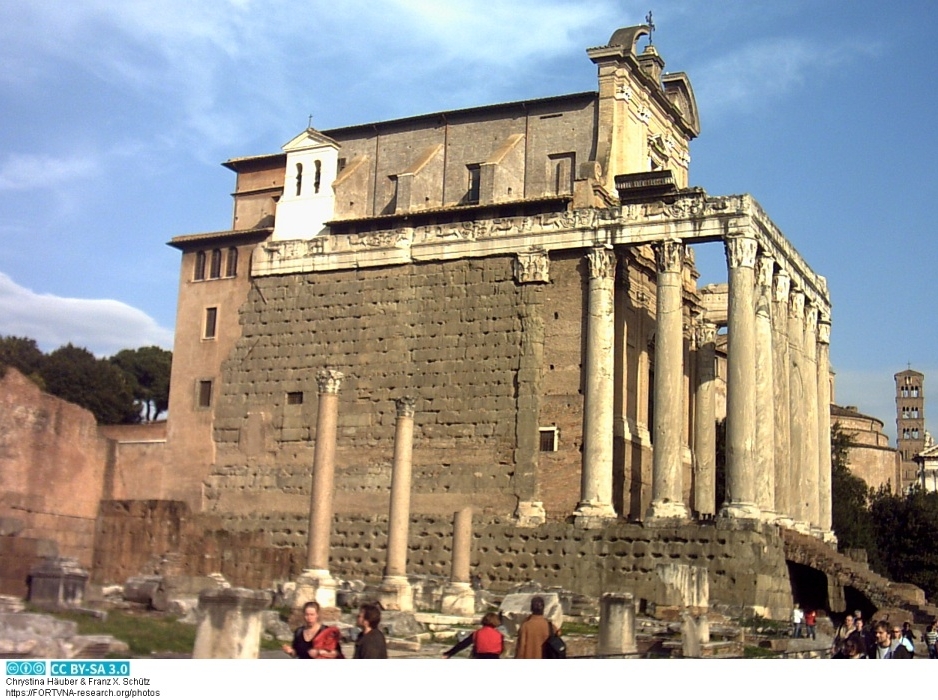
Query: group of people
(537, 637)
(314, 640)
(881, 640)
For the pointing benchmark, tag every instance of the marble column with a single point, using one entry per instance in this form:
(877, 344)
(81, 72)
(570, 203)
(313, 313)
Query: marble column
(396, 591)
(667, 485)
(595, 504)
(705, 439)
(231, 621)
(780, 369)
(810, 477)
(824, 428)
(764, 448)
(316, 583)
(796, 400)
(458, 596)
(740, 380)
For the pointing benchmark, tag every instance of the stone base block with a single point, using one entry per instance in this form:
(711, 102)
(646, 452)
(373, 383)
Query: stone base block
(591, 515)
(458, 599)
(530, 514)
(740, 511)
(666, 514)
(315, 584)
(396, 593)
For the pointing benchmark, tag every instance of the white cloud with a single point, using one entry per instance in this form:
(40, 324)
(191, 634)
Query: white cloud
(26, 171)
(103, 326)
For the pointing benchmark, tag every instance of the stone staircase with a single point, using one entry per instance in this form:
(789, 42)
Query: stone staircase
(844, 571)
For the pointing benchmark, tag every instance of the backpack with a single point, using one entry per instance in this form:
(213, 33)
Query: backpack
(554, 647)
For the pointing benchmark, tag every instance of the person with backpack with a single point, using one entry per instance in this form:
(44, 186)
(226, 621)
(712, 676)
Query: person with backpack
(534, 632)
(314, 640)
(487, 642)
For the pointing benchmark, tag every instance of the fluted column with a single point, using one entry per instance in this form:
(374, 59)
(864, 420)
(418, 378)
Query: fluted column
(810, 477)
(320, 515)
(796, 399)
(780, 370)
(667, 491)
(705, 420)
(764, 448)
(824, 426)
(740, 380)
(596, 477)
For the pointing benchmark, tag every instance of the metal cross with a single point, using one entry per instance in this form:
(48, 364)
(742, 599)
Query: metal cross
(310, 124)
(651, 27)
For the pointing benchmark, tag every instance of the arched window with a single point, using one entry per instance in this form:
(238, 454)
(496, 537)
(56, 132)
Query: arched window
(299, 179)
(231, 269)
(317, 177)
(199, 273)
(215, 269)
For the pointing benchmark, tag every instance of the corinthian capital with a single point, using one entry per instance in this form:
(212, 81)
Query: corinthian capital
(782, 287)
(405, 406)
(741, 251)
(705, 333)
(670, 255)
(329, 381)
(602, 263)
(765, 266)
(796, 304)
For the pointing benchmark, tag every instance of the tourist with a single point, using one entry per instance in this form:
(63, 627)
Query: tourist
(797, 619)
(931, 640)
(887, 644)
(487, 642)
(840, 636)
(908, 633)
(899, 633)
(370, 643)
(533, 633)
(851, 649)
(810, 621)
(863, 634)
(314, 640)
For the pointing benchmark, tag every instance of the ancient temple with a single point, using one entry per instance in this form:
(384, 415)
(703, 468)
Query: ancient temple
(524, 271)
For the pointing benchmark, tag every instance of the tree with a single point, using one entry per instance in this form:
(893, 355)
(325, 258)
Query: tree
(74, 374)
(907, 527)
(149, 370)
(850, 501)
(22, 354)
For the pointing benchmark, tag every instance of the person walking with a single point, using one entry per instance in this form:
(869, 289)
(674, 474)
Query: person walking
(487, 642)
(534, 631)
(370, 643)
(797, 620)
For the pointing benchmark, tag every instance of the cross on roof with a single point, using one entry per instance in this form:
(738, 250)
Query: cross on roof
(651, 27)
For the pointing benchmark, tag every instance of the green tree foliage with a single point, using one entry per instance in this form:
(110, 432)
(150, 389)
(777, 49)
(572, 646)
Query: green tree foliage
(74, 374)
(149, 369)
(22, 354)
(850, 499)
(906, 529)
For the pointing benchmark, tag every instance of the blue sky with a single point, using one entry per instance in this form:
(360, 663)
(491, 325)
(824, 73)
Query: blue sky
(114, 117)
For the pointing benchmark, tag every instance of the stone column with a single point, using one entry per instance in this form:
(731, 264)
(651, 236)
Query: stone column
(595, 504)
(667, 486)
(810, 477)
(396, 591)
(316, 583)
(824, 428)
(616, 625)
(764, 448)
(741, 380)
(705, 438)
(458, 596)
(780, 369)
(230, 623)
(796, 399)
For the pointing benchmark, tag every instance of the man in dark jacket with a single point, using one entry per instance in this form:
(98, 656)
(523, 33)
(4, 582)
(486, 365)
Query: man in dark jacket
(370, 643)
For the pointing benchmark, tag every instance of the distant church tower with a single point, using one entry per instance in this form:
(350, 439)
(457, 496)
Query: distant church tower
(910, 423)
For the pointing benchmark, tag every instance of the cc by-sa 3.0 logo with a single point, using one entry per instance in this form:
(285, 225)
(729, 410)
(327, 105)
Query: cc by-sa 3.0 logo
(26, 668)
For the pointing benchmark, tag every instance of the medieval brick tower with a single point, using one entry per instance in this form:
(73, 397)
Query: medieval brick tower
(910, 423)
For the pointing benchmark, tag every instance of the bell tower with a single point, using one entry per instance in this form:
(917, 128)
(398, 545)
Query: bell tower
(910, 423)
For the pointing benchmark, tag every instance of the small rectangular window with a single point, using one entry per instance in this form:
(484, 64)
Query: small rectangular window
(211, 319)
(199, 273)
(231, 266)
(215, 267)
(205, 393)
(548, 441)
(475, 184)
(294, 398)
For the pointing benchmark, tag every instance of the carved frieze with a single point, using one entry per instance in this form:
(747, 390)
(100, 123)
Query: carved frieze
(602, 263)
(532, 267)
(383, 239)
(669, 255)
(329, 381)
(741, 251)
(624, 93)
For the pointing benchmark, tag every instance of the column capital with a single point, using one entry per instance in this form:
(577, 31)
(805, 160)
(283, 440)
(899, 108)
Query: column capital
(824, 331)
(765, 266)
(705, 332)
(329, 381)
(810, 317)
(602, 263)
(782, 288)
(741, 251)
(533, 266)
(405, 406)
(796, 304)
(670, 255)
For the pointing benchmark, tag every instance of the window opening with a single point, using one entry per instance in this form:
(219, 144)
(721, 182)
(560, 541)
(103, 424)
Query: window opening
(317, 177)
(205, 393)
(548, 439)
(294, 398)
(299, 179)
(475, 183)
(211, 318)
(215, 271)
(231, 270)
(199, 265)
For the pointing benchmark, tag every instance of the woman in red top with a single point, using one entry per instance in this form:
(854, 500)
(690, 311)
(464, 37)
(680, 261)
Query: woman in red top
(487, 642)
(314, 640)
(810, 620)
